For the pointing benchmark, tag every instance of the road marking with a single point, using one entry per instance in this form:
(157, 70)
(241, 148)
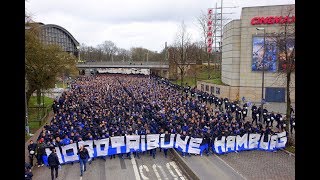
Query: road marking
(230, 166)
(162, 171)
(173, 164)
(80, 177)
(135, 168)
(141, 167)
(154, 167)
(171, 172)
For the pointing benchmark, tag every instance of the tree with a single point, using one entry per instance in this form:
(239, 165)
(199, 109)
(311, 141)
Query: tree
(110, 49)
(286, 48)
(44, 62)
(202, 22)
(182, 52)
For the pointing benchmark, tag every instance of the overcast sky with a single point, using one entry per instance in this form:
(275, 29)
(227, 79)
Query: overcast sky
(131, 23)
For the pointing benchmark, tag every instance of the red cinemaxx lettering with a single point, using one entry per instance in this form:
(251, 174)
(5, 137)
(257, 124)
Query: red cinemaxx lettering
(273, 20)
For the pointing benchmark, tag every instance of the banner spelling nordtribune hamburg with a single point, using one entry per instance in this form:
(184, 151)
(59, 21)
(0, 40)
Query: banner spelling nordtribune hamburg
(132, 143)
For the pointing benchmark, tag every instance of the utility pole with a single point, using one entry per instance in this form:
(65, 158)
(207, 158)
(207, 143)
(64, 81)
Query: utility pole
(218, 29)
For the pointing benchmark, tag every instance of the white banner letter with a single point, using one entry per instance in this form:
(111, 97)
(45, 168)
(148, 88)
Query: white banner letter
(273, 142)
(242, 141)
(117, 142)
(194, 145)
(162, 141)
(282, 140)
(152, 141)
(181, 143)
(230, 143)
(220, 143)
(132, 142)
(98, 144)
(254, 140)
(73, 157)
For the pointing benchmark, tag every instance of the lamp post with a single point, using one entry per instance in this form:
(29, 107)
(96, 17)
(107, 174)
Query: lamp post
(263, 58)
(78, 47)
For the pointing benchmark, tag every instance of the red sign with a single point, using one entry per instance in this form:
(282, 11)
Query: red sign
(273, 20)
(209, 49)
(210, 11)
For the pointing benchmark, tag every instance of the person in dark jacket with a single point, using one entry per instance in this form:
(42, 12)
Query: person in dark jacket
(83, 158)
(27, 174)
(54, 163)
(166, 139)
(292, 124)
(32, 147)
(40, 152)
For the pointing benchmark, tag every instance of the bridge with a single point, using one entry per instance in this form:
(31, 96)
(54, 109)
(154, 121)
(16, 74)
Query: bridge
(159, 68)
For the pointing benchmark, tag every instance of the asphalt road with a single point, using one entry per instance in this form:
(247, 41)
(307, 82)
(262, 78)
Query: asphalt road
(212, 168)
(119, 169)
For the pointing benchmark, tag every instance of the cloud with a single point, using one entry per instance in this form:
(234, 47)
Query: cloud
(146, 23)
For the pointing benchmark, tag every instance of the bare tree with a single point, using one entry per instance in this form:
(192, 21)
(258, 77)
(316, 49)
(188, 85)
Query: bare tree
(202, 22)
(286, 47)
(182, 52)
(100, 52)
(110, 49)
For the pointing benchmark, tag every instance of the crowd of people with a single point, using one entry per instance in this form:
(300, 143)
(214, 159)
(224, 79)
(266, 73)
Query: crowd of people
(102, 106)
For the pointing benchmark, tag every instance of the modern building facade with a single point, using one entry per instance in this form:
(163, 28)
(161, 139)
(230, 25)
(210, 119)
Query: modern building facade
(243, 49)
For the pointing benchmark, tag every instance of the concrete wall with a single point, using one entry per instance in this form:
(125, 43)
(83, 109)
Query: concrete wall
(225, 91)
(251, 81)
(231, 54)
(237, 54)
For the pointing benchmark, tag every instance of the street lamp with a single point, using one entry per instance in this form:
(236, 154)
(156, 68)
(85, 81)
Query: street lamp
(263, 58)
(78, 47)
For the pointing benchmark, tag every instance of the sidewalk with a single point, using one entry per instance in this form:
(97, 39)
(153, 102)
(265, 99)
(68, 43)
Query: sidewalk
(35, 136)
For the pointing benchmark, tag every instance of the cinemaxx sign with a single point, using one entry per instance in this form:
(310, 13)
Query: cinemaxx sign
(273, 20)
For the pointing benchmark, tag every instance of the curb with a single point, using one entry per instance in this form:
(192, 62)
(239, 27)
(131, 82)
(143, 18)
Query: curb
(183, 163)
(290, 153)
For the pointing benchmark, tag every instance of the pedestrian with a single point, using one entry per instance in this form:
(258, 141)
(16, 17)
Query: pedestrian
(292, 124)
(83, 159)
(32, 147)
(27, 174)
(166, 139)
(54, 163)
(40, 152)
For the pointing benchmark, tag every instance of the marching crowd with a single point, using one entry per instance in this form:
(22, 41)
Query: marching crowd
(101, 106)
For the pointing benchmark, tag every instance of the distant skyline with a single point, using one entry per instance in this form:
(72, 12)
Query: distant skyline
(132, 23)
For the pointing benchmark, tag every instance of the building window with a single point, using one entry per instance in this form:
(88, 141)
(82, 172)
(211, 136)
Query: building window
(202, 87)
(217, 90)
(212, 89)
(207, 87)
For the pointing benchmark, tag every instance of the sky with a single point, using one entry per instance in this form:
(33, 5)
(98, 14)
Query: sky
(132, 23)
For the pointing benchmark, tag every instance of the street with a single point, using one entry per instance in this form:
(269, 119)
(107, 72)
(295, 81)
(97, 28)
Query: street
(119, 169)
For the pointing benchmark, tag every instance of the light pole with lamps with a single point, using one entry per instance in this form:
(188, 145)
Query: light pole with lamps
(263, 58)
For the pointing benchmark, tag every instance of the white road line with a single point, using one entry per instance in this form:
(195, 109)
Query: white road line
(230, 166)
(173, 164)
(171, 172)
(80, 177)
(162, 171)
(141, 171)
(135, 168)
(154, 167)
